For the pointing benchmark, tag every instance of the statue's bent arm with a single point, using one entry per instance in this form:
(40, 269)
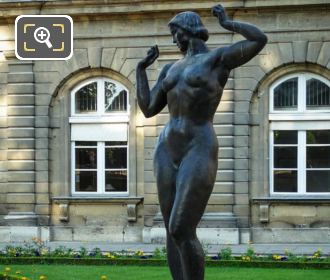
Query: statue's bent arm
(151, 102)
(241, 52)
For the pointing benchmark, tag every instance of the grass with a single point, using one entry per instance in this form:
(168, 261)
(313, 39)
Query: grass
(77, 272)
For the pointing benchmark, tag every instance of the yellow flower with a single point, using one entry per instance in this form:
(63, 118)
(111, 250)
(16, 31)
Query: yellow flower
(7, 269)
(103, 277)
(109, 255)
(140, 253)
(277, 257)
(42, 277)
(44, 252)
(18, 272)
(23, 278)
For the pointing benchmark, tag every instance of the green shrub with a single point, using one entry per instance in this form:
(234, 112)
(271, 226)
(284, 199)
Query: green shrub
(225, 254)
(62, 251)
(160, 253)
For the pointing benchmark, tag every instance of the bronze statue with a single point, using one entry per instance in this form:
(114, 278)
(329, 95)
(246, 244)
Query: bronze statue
(186, 155)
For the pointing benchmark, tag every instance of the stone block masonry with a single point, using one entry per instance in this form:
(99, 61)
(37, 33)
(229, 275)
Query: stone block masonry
(20, 193)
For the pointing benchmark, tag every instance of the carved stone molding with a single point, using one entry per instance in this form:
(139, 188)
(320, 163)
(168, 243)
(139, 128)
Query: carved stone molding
(64, 212)
(265, 202)
(264, 213)
(65, 202)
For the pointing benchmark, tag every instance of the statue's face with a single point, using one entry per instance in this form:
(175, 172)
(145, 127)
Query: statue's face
(180, 38)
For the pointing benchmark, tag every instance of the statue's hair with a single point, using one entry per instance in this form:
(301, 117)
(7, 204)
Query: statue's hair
(190, 22)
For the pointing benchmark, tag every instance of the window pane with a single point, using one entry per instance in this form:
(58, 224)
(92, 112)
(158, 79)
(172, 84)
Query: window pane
(116, 143)
(86, 181)
(85, 143)
(285, 137)
(116, 181)
(286, 95)
(86, 99)
(318, 136)
(285, 157)
(285, 181)
(115, 158)
(317, 95)
(318, 157)
(318, 181)
(114, 99)
(86, 158)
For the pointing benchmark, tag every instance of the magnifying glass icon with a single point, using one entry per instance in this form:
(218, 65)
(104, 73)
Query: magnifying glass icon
(41, 35)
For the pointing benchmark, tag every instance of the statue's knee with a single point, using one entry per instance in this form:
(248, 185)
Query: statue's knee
(179, 233)
(175, 232)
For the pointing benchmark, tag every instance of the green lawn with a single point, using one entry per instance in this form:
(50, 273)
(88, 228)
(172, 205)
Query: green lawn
(69, 272)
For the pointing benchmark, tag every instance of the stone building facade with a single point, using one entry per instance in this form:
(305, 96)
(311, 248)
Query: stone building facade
(273, 182)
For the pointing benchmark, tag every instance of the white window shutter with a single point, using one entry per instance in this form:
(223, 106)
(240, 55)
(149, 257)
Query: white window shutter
(99, 132)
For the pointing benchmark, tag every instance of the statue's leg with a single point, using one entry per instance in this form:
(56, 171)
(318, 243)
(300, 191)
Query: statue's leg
(165, 176)
(194, 185)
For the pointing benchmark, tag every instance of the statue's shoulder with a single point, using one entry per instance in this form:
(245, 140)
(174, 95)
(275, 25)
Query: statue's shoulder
(218, 51)
(166, 67)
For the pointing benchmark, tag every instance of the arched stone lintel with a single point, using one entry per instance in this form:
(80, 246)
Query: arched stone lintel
(67, 84)
(279, 59)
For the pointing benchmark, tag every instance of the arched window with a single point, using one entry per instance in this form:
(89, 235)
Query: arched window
(300, 135)
(99, 138)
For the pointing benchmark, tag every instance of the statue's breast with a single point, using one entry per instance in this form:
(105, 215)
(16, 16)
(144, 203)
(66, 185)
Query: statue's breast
(173, 76)
(196, 75)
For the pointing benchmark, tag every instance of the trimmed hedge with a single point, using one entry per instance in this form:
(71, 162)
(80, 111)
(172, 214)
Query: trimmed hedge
(270, 264)
(163, 262)
(83, 261)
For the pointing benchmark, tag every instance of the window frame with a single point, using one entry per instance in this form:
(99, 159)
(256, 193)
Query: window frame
(100, 188)
(301, 108)
(98, 117)
(300, 120)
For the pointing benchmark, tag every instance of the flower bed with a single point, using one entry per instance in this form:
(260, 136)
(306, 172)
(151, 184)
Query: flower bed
(36, 252)
(162, 262)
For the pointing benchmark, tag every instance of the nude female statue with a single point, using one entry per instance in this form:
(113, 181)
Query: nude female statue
(186, 155)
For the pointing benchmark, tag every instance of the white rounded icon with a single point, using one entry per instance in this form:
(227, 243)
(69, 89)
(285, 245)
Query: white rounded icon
(41, 35)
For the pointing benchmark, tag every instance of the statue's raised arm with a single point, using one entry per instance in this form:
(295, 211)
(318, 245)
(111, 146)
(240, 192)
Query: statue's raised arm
(241, 52)
(151, 102)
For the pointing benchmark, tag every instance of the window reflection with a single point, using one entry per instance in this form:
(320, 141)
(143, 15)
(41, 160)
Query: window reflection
(86, 99)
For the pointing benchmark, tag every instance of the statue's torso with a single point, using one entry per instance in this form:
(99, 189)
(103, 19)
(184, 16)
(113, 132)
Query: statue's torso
(193, 94)
(193, 87)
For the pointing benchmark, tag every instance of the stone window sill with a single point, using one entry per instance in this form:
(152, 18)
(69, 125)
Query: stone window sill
(65, 201)
(293, 199)
(265, 202)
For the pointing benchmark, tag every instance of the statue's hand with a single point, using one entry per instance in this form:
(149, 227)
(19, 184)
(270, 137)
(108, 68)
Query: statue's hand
(152, 55)
(219, 12)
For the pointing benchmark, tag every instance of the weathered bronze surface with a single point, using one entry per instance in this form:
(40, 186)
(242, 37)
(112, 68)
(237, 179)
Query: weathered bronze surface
(186, 155)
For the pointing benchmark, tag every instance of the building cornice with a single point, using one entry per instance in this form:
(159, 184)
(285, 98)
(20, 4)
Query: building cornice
(76, 8)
